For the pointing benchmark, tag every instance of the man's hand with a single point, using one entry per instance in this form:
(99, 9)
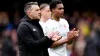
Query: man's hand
(54, 36)
(72, 34)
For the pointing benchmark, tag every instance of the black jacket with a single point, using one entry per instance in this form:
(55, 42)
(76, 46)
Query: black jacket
(31, 40)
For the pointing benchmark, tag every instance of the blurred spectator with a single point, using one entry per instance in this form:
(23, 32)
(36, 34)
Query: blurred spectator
(6, 47)
(15, 41)
(80, 42)
(93, 45)
(6, 43)
(4, 20)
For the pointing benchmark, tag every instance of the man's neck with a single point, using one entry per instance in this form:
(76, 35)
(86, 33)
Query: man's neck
(30, 17)
(43, 19)
(55, 18)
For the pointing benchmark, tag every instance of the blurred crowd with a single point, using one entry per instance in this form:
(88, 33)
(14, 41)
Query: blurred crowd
(86, 44)
(8, 36)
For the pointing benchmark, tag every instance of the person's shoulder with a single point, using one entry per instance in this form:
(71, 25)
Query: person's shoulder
(63, 20)
(40, 22)
(22, 26)
(49, 21)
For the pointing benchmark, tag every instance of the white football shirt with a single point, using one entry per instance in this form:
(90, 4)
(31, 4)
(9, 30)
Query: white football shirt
(61, 26)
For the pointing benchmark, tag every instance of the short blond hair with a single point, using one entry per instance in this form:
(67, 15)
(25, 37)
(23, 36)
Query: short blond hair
(43, 5)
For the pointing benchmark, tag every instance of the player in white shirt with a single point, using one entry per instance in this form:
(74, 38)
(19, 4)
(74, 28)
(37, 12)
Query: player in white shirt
(45, 14)
(57, 23)
(59, 47)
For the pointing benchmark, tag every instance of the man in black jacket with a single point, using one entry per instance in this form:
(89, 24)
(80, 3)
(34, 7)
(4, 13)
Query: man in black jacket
(31, 39)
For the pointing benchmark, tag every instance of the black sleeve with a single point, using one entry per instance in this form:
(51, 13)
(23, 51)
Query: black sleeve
(25, 36)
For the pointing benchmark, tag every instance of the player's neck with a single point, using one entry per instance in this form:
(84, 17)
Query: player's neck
(43, 19)
(55, 18)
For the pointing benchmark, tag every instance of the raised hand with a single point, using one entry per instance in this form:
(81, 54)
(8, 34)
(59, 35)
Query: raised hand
(72, 34)
(54, 36)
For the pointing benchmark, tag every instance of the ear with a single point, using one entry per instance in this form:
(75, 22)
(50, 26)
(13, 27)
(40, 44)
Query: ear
(28, 12)
(52, 10)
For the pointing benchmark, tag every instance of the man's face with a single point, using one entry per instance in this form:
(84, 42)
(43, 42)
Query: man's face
(46, 12)
(59, 10)
(35, 12)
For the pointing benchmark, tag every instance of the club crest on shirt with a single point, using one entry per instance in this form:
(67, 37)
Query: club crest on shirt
(64, 26)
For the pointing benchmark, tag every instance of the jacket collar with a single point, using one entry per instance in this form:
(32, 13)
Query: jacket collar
(28, 19)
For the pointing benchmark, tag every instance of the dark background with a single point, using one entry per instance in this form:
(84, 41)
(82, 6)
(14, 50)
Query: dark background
(70, 5)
